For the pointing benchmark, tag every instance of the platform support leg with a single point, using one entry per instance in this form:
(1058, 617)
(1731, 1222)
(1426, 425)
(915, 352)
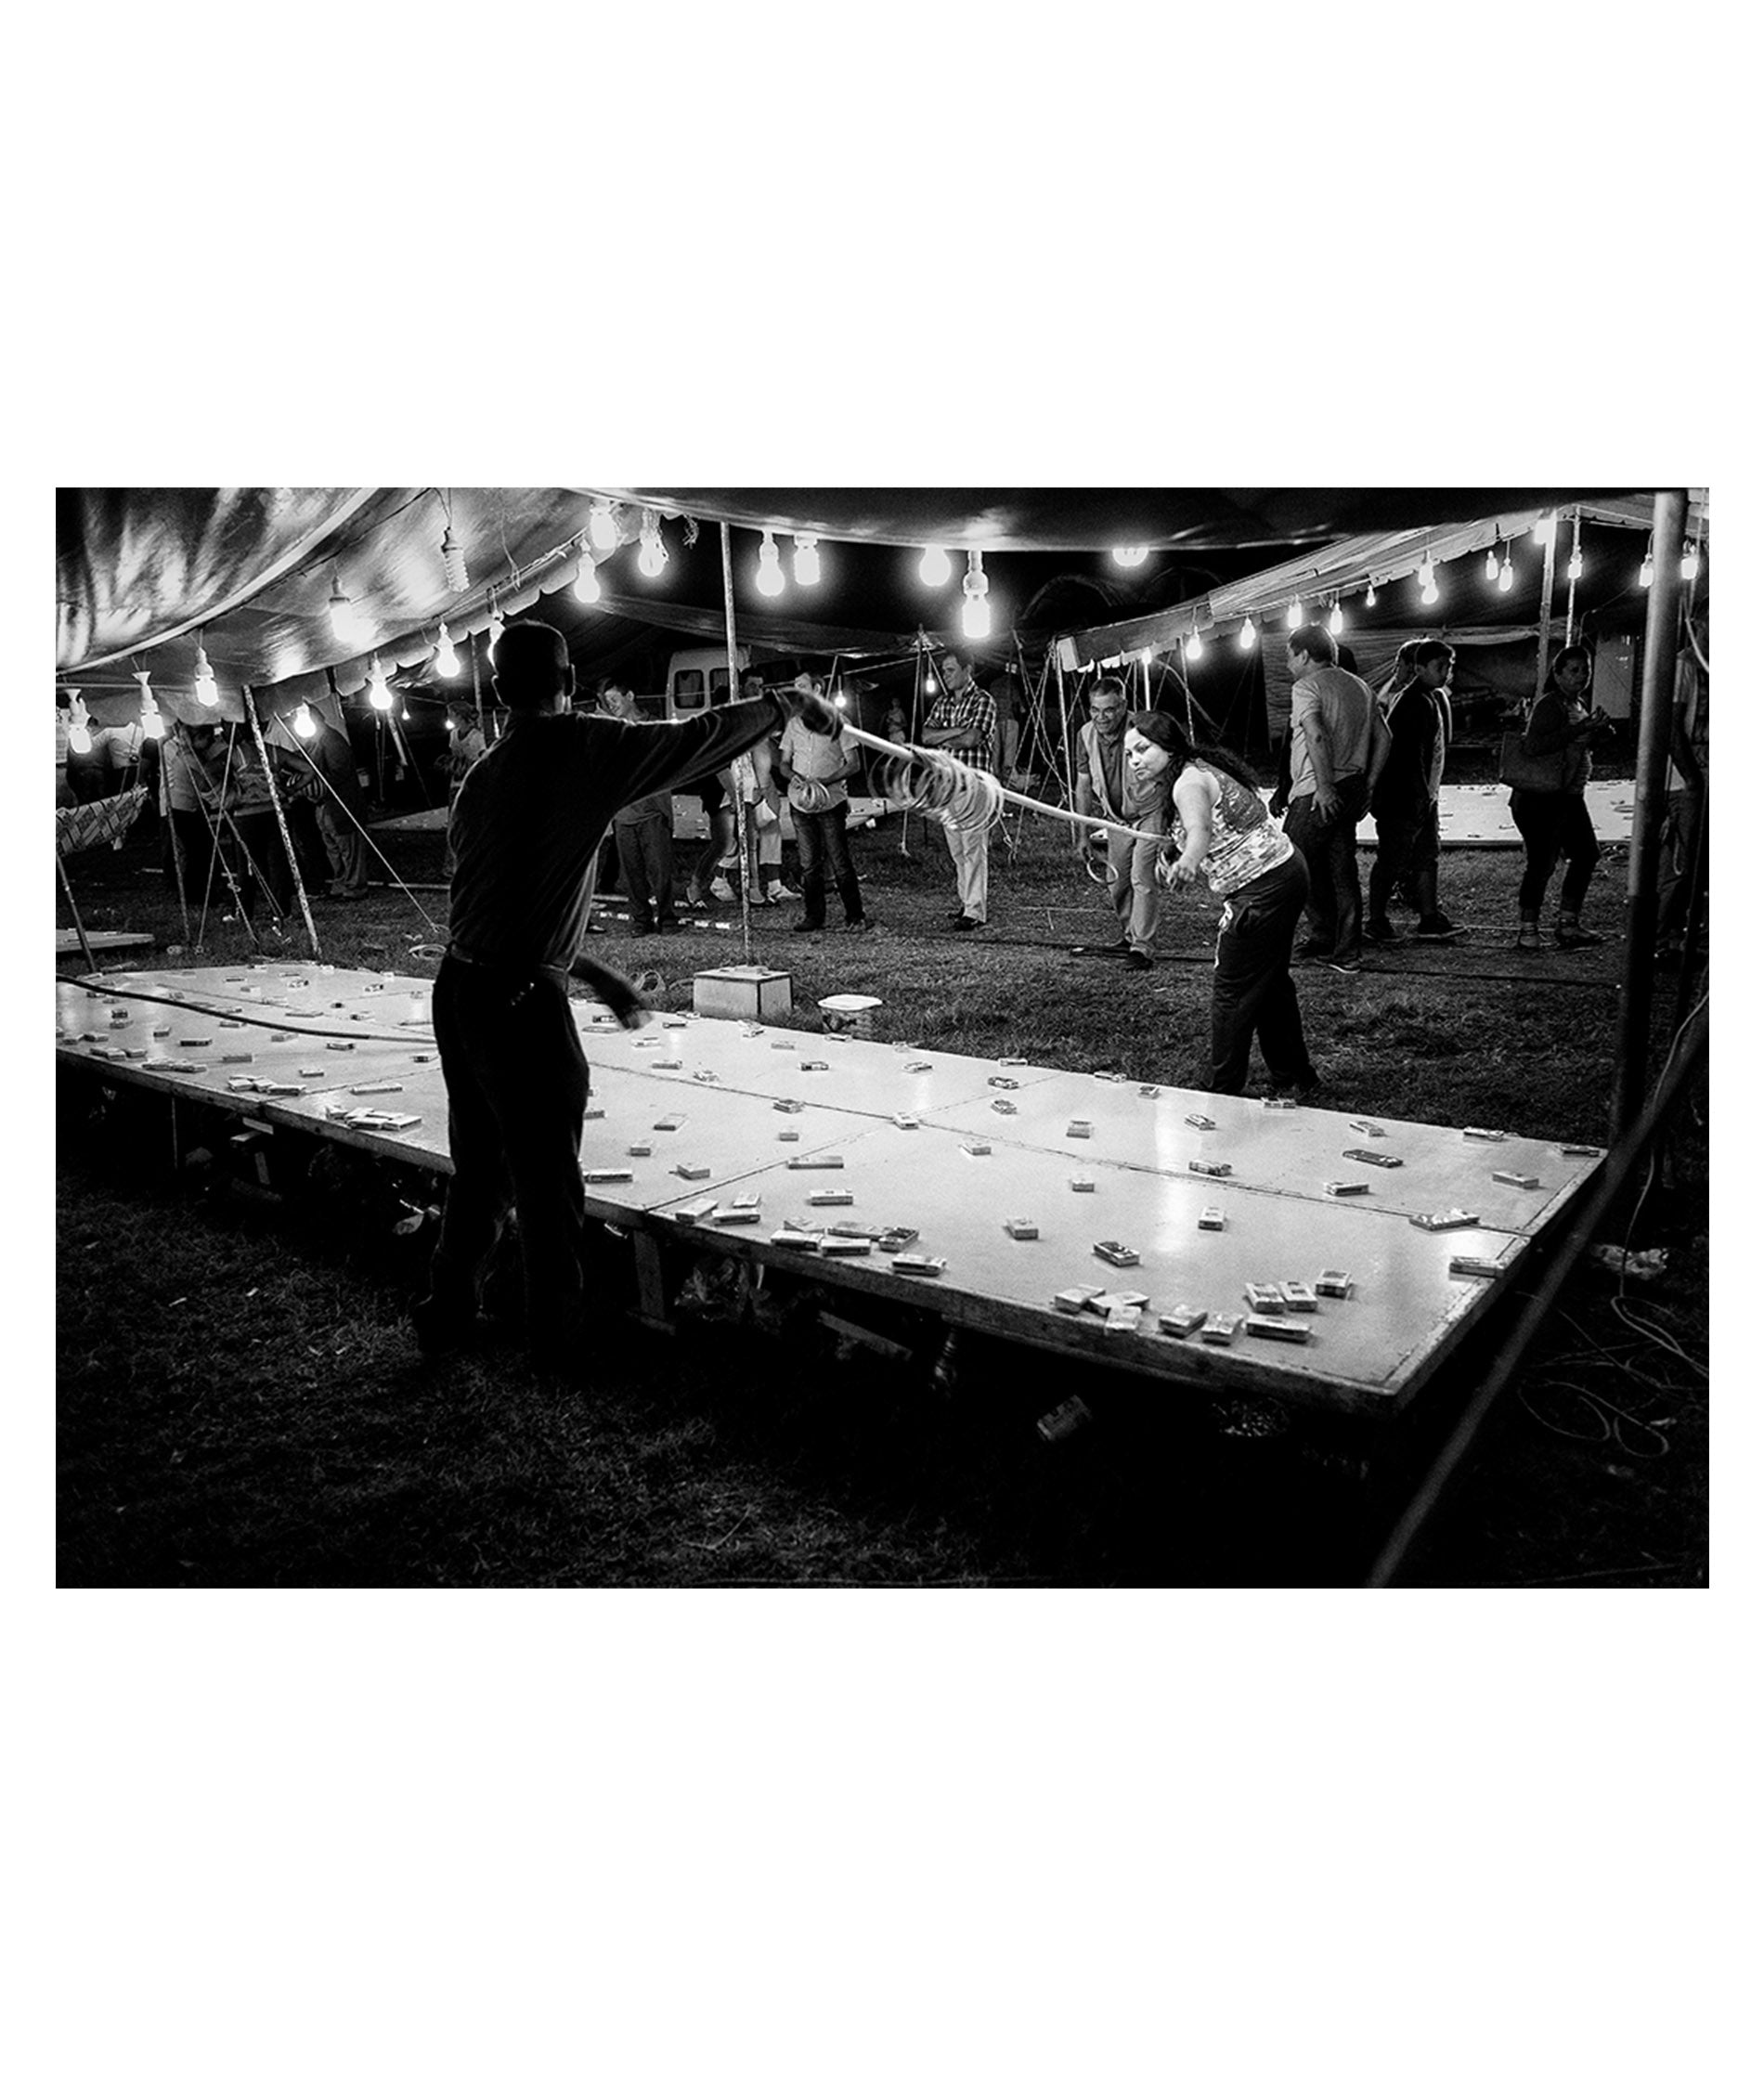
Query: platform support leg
(651, 1291)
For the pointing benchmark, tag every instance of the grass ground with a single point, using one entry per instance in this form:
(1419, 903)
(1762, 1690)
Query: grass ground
(239, 1403)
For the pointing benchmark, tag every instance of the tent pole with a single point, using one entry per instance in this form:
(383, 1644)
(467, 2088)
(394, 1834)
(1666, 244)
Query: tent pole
(1698, 873)
(1546, 600)
(78, 926)
(743, 813)
(1659, 662)
(281, 817)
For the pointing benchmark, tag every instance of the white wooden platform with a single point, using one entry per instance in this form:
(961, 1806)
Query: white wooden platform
(329, 1032)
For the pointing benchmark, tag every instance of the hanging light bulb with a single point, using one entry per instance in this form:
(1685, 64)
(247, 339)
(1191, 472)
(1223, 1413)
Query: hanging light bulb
(602, 526)
(1576, 564)
(1491, 566)
(587, 582)
(1246, 637)
(1691, 564)
(654, 554)
(934, 567)
(1194, 648)
(1337, 621)
(379, 695)
(493, 636)
(1504, 582)
(79, 726)
(1371, 594)
(807, 563)
(447, 661)
(453, 563)
(152, 724)
(1131, 555)
(1543, 529)
(1645, 578)
(977, 612)
(1430, 588)
(304, 726)
(770, 579)
(207, 689)
(1294, 614)
(344, 621)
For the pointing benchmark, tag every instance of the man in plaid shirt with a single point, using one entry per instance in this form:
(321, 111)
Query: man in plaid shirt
(963, 721)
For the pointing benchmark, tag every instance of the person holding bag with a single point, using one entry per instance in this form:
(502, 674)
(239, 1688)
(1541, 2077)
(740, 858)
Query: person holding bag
(1549, 766)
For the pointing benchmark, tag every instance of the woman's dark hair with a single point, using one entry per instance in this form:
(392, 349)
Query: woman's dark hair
(1163, 730)
(1568, 653)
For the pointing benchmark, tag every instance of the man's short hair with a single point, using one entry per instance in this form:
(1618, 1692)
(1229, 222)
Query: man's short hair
(532, 663)
(1315, 642)
(960, 655)
(1432, 649)
(1111, 686)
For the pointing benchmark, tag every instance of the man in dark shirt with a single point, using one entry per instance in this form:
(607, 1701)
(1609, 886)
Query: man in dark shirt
(527, 825)
(1406, 802)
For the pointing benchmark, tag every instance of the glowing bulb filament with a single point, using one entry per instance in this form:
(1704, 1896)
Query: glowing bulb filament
(1194, 648)
(1131, 555)
(1246, 636)
(1294, 614)
(602, 526)
(587, 582)
(770, 579)
(934, 567)
(447, 661)
(303, 725)
(807, 563)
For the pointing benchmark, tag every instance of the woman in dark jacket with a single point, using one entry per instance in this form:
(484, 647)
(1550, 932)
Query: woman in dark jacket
(1555, 823)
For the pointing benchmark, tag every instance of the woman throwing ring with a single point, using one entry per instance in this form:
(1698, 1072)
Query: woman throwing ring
(1221, 830)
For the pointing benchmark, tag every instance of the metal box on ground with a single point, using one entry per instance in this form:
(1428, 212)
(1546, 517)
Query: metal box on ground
(752, 992)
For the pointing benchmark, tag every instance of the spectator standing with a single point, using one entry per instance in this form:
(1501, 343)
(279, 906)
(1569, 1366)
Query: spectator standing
(248, 813)
(1553, 820)
(1220, 830)
(529, 819)
(816, 758)
(465, 745)
(713, 793)
(1406, 797)
(644, 834)
(760, 846)
(1106, 788)
(343, 809)
(1337, 748)
(187, 800)
(963, 721)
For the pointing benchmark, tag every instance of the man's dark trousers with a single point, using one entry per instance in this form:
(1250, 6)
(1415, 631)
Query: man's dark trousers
(518, 1088)
(1332, 915)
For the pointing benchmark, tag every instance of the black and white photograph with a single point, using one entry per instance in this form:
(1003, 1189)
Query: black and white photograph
(892, 1037)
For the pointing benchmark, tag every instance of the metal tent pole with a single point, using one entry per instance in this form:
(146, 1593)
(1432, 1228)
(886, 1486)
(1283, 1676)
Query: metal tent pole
(1659, 663)
(281, 817)
(743, 813)
(1548, 596)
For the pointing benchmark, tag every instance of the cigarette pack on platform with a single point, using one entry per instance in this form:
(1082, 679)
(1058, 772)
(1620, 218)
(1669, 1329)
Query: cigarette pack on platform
(794, 1237)
(1208, 1167)
(343, 1045)
(1478, 1132)
(195, 1041)
(1109, 1302)
(1365, 1128)
(592, 1112)
(1515, 1180)
(833, 1196)
(919, 1266)
(789, 1138)
(1442, 1222)
(378, 1088)
(1116, 1252)
(975, 1148)
(1348, 1188)
(640, 1151)
(814, 1066)
(892, 1239)
(689, 1170)
(1084, 1185)
(1005, 1109)
(666, 1066)
(1122, 1319)
(1280, 1330)
(1211, 1219)
(815, 1160)
(844, 1244)
(1002, 1080)
(788, 1104)
(1105, 1073)
(1079, 1128)
(1298, 1298)
(667, 1123)
(243, 1058)
(690, 1215)
(1369, 1158)
(606, 1175)
(1182, 1321)
(1022, 1229)
(1013, 1062)
(1221, 1327)
(905, 1124)
(1278, 1102)
(1076, 1297)
(918, 1066)
(1333, 1283)
(1200, 1124)
(703, 1074)
(730, 1214)
(1264, 1298)
(1475, 1266)
(1581, 1152)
